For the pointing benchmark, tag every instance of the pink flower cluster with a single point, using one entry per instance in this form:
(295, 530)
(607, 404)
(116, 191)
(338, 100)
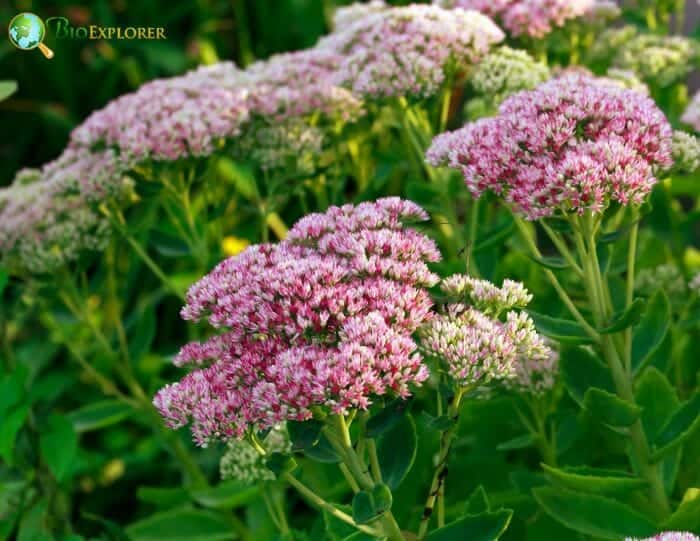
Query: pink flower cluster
(48, 216)
(533, 18)
(477, 346)
(323, 318)
(669, 536)
(408, 50)
(168, 119)
(575, 143)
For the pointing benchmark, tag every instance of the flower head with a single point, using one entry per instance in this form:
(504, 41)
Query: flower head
(409, 50)
(346, 15)
(661, 60)
(667, 277)
(533, 18)
(694, 284)
(505, 71)
(294, 106)
(168, 119)
(476, 346)
(686, 152)
(48, 216)
(322, 319)
(243, 463)
(573, 144)
(669, 536)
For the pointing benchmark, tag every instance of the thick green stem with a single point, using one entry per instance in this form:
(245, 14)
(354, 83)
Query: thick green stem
(629, 290)
(319, 502)
(555, 283)
(339, 436)
(441, 468)
(639, 447)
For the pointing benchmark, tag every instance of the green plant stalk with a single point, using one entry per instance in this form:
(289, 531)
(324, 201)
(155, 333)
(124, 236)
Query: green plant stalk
(639, 447)
(629, 286)
(440, 472)
(319, 502)
(417, 142)
(563, 295)
(343, 444)
(141, 252)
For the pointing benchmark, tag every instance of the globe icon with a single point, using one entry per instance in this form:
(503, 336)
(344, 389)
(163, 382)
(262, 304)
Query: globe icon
(27, 31)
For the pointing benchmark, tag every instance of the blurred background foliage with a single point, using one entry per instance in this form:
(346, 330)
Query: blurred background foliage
(54, 96)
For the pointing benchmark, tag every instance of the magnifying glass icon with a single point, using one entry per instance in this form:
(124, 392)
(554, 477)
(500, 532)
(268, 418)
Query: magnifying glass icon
(27, 31)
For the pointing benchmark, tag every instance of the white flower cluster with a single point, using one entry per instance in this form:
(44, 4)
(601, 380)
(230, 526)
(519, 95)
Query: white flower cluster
(686, 152)
(242, 462)
(505, 71)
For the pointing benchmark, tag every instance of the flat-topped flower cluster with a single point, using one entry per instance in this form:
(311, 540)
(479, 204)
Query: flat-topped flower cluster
(48, 216)
(279, 114)
(532, 18)
(324, 318)
(573, 144)
(482, 336)
(409, 50)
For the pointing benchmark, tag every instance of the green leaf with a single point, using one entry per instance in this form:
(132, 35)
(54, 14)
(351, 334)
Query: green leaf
(323, 451)
(682, 424)
(593, 515)
(370, 505)
(488, 526)
(4, 278)
(395, 461)
(163, 497)
(687, 516)
(59, 446)
(168, 245)
(9, 427)
(426, 195)
(521, 442)
(595, 480)
(387, 417)
(99, 415)
(33, 525)
(439, 423)
(627, 318)
(553, 263)
(495, 235)
(142, 333)
(280, 463)
(181, 524)
(651, 331)
(582, 370)
(478, 502)
(563, 330)
(11, 390)
(657, 398)
(304, 434)
(336, 529)
(240, 176)
(7, 88)
(614, 236)
(610, 409)
(226, 495)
